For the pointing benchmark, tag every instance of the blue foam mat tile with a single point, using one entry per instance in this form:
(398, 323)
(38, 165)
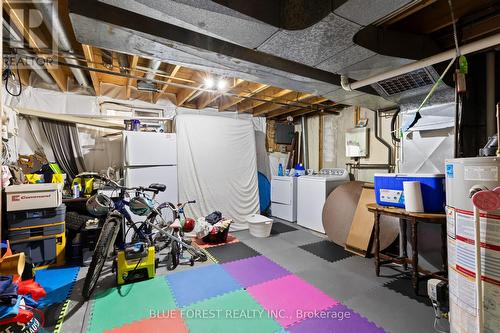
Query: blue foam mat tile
(201, 283)
(57, 282)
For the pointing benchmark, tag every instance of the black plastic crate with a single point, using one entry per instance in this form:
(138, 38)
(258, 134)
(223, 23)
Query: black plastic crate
(36, 217)
(26, 233)
(41, 252)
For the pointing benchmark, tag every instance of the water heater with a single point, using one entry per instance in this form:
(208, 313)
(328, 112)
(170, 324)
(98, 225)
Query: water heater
(461, 175)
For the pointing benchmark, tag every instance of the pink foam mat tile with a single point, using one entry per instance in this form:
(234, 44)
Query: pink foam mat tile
(289, 299)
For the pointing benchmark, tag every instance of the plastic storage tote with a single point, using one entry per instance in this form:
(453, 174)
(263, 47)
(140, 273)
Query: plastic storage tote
(36, 217)
(389, 190)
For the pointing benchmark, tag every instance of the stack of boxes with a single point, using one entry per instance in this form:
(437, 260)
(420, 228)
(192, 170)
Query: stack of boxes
(36, 223)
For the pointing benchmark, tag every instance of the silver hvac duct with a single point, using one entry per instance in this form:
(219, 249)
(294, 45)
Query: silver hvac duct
(154, 65)
(123, 61)
(54, 23)
(39, 70)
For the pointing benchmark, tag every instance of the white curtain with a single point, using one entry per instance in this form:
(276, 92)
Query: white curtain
(217, 166)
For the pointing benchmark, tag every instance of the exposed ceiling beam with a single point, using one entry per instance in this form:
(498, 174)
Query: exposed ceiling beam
(246, 89)
(185, 94)
(171, 75)
(133, 65)
(266, 95)
(38, 42)
(89, 56)
(207, 98)
(289, 111)
(24, 74)
(290, 97)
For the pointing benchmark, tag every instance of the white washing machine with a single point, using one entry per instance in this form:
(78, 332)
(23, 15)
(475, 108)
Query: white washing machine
(284, 197)
(312, 192)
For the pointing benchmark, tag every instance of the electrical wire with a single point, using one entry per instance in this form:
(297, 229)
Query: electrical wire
(7, 73)
(437, 316)
(455, 36)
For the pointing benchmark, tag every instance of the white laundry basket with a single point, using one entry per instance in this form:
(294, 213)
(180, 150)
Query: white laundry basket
(259, 225)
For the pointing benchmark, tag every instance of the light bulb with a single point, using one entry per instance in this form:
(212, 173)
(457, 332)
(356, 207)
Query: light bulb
(209, 83)
(221, 84)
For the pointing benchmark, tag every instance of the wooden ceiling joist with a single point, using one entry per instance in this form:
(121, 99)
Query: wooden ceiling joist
(184, 94)
(295, 111)
(209, 97)
(265, 95)
(288, 98)
(172, 74)
(94, 76)
(37, 41)
(246, 89)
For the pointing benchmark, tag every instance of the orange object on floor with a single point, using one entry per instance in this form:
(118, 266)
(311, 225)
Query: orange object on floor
(230, 240)
(30, 287)
(168, 321)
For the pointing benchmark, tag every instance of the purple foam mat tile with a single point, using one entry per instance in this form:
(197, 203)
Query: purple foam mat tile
(254, 270)
(338, 318)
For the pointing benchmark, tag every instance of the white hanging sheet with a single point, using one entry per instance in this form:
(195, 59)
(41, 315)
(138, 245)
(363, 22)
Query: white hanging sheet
(217, 166)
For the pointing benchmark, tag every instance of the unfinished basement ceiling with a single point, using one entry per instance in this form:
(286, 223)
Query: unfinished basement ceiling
(324, 50)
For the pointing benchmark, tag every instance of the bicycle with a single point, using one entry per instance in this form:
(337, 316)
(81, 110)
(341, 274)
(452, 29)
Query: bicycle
(177, 227)
(116, 218)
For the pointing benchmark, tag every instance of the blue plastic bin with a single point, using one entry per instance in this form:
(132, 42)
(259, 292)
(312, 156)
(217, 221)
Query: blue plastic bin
(389, 190)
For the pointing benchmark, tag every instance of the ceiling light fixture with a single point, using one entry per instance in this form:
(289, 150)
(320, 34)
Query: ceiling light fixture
(209, 83)
(221, 84)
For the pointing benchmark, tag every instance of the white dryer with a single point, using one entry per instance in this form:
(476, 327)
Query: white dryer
(312, 192)
(284, 197)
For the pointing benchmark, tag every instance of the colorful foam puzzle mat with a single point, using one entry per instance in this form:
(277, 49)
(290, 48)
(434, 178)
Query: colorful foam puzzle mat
(246, 293)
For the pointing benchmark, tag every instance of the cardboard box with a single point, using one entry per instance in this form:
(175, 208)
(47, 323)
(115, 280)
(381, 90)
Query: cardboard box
(33, 196)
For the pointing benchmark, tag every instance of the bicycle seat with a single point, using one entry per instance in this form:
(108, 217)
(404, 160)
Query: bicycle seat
(158, 187)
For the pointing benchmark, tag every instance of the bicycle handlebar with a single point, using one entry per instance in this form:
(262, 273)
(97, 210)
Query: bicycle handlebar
(113, 183)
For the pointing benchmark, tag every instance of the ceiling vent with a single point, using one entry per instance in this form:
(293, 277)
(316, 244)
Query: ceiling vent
(413, 83)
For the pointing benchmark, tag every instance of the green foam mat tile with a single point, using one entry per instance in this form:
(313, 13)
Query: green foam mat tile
(121, 305)
(232, 312)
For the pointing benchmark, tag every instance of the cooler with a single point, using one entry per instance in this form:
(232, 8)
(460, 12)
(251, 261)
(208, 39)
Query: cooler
(389, 190)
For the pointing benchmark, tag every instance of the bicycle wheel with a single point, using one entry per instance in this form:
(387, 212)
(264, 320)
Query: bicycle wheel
(173, 256)
(104, 243)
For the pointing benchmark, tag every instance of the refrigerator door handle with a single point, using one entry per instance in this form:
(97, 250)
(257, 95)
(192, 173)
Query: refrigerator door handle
(125, 150)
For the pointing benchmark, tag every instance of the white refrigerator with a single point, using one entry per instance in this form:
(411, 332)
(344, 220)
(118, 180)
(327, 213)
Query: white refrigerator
(150, 157)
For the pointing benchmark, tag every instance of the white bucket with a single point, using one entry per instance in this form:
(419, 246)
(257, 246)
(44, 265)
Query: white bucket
(259, 226)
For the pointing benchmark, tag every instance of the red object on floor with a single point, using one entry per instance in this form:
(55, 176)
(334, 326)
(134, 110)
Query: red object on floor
(30, 287)
(168, 321)
(230, 240)
(23, 316)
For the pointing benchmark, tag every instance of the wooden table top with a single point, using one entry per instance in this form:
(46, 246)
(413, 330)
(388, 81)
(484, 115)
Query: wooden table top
(373, 207)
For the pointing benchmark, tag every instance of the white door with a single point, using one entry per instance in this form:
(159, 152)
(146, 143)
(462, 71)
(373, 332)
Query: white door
(145, 149)
(282, 191)
(166, 175)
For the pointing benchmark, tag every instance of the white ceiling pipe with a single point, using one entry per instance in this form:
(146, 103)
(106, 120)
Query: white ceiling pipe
(432, 60)
(51, 18)
(154, 65)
